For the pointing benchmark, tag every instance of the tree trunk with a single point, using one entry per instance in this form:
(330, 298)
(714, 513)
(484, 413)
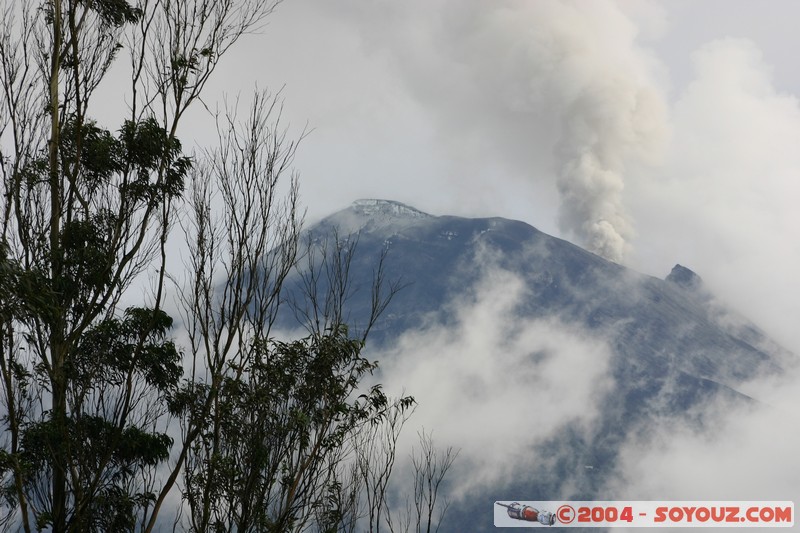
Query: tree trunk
(59, 413)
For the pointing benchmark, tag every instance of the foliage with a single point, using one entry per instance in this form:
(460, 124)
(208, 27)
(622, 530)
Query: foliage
(283, 425)
(102, 415)
(105, 453)
(85, 211)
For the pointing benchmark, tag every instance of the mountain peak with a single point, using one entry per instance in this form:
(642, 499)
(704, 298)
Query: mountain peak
(373, 214)
(382, 208)
(684, 277)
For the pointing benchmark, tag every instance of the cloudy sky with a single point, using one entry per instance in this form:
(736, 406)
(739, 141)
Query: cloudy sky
(652, 133)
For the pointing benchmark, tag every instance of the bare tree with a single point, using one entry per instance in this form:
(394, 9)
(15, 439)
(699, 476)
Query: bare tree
(375, 500)
(267, 424)
(430, 469)
(325, 292)
(376, 452)
(242, 231)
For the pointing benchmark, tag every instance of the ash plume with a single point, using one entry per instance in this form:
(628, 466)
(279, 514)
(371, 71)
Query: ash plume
(611, 112)
(609, 121)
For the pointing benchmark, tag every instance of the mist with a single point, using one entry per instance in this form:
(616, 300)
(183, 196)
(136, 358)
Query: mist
(744, 453)
(494, 385)
(726, 197)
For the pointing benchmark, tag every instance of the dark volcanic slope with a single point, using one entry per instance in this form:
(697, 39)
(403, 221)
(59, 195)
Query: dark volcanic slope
(674, 347)
(436, 257)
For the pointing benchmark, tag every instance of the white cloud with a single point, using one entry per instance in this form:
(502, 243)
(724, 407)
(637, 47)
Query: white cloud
(744, 453)
(725, 202)
(493, 384)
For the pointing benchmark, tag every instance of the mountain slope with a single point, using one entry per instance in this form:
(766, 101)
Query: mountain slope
(673, 347)
(436, 257)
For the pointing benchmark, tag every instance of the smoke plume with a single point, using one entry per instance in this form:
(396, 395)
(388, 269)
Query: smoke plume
(583, 63)
(607, 122)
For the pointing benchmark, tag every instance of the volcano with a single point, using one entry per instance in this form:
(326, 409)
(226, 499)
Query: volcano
(671, 346)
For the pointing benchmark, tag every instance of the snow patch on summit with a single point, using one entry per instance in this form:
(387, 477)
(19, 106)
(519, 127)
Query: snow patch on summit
(386, 208)
(375, 215)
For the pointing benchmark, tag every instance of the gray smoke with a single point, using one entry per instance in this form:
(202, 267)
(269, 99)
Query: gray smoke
(587, 67)
(610, 121)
